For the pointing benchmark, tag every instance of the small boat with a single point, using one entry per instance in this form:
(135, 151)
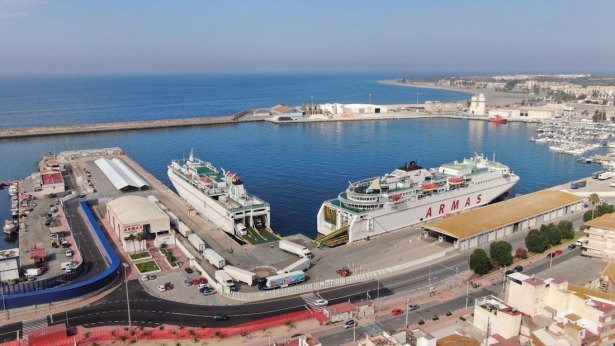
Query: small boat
(497, 120)
(395, 198)
(429, 187)
(457, 180)
(9, 227)
(532, 139)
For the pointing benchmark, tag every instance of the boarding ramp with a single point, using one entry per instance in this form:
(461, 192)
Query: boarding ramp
(337, 237)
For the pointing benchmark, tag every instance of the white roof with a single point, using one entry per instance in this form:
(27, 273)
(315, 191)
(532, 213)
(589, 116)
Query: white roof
(135, 209)
(119, 174)
(9, 269)
(518, 276)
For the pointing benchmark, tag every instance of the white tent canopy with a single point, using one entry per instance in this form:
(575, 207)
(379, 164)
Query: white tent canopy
(119, 174)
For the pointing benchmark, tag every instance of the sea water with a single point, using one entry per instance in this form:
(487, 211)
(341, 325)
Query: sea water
(294, 167)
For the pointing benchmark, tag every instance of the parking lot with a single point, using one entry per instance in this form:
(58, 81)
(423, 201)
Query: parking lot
(181, 292)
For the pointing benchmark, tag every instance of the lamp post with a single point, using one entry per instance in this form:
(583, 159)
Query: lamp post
(417, 98)
(312, 105)
(269, 335)
(467, 292)
(407, 302)
(127, 300)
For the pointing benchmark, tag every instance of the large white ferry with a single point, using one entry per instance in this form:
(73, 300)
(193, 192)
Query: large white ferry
(221, 197)
(409, 195)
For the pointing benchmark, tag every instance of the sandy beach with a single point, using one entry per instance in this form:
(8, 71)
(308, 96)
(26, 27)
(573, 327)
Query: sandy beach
(494, 98)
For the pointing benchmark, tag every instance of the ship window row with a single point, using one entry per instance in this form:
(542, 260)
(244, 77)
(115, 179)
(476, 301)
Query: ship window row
(355, 206)
(488, 180)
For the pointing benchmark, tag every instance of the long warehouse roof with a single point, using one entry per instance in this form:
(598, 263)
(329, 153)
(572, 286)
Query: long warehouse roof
(119, 174)
(606, 221)
(502, 213)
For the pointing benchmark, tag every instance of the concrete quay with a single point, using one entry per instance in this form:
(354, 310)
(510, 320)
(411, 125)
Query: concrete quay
(25, 132)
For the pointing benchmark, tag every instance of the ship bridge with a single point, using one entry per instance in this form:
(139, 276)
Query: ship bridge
(477, 227)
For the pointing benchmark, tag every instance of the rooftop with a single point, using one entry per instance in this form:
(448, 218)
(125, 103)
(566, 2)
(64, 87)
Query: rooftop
(486, 218)
(340, 308)
(51, 178)
(606, 221)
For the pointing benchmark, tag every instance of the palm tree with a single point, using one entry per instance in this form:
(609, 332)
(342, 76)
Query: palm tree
(132, 238)
(594, 199)
(141, 236)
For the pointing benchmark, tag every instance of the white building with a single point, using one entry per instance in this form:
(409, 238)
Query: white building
(134, 214)
(359, 108)
(477, 105)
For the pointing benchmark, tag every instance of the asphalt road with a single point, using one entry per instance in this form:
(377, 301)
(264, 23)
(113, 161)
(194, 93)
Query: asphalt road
(150, 311)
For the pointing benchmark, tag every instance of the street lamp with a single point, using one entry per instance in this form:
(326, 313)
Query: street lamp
(269, 335)
(417, 98)
(127, 300)
(407, 302)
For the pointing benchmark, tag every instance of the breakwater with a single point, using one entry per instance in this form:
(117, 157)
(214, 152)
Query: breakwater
(25, 132)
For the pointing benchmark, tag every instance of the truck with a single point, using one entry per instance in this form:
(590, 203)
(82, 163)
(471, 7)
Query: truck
(183, 229)
(214, 259)
(596, 174)
(197, 242)
(578, 184)
(241, 275)
(240, 229)
(605, 175)
(224, 279)
(302, 264)
(173, 218)
(282, 280)
(296, 249)
(33, 272)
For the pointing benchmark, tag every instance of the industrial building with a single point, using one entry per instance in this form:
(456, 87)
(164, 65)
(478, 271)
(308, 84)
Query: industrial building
(52, 182)
(524, 112)
(480, 226)
(131, 215)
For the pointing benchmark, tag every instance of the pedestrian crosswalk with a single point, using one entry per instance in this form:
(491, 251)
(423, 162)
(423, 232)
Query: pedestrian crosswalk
(34, 324)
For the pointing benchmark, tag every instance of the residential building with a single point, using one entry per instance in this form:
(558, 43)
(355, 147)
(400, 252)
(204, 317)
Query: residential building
(600, 237)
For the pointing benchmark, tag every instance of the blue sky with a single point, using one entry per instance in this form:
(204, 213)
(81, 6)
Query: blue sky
(460, 37)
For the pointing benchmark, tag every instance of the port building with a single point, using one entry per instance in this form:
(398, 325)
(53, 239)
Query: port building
(483, 225)
(131, 215)
(120, 175)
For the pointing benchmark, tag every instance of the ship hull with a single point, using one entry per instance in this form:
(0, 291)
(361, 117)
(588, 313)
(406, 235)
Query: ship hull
(395, 216)
(211, 209)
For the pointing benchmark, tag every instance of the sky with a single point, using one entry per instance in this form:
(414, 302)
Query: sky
(426, 37)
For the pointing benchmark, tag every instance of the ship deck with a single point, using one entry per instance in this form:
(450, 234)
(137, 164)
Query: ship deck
(260, 236)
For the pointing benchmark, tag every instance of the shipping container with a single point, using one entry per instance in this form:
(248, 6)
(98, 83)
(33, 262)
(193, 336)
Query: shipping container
(283, 280)
(302, 264)
(214, 259)
(241, 275)
(296, 249)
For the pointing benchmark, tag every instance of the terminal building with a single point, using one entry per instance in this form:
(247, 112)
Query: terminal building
(480, 226)
(131, 215)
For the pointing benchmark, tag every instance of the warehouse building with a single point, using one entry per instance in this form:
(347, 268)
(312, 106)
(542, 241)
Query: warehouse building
(480, 226)
(131, 215)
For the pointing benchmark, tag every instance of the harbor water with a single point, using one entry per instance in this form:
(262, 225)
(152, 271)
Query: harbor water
(294, 167)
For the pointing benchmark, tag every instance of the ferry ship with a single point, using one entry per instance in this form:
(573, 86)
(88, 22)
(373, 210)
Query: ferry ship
(222, 198)
(409, 195)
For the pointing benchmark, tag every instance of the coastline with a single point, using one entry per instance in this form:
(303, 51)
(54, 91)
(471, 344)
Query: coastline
(494, 98)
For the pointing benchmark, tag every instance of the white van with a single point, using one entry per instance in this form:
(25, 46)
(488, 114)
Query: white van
(581, 241)
(67, 265)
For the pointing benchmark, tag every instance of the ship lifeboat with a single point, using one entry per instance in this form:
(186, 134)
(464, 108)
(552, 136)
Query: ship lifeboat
(395, 198)
(233, 176)
(458, 180)
(206, 180)
(428, 187)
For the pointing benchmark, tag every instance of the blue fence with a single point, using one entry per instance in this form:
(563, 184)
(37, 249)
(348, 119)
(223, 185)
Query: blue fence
(50, 295)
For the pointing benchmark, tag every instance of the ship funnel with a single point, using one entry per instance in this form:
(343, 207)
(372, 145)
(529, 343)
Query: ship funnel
(191, 158)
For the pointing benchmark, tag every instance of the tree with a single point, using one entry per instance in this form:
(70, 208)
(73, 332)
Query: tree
(480, 262)
(141, 236)
(537, 241)
(132, 238)
(554, 234)
(567, 228)
(593, 200)
(501, 251)
(543, 227)
(521, 253)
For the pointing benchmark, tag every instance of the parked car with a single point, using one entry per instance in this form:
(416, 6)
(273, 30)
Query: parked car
(220, 317)
(202, 280)
(508, 272)
(188, 270)
(188, 282)
(168, 286)
(81, 194)
(144, 278)
(208, 292)
(572, 247)
(69, 253)
(350, 324)
(518, 269)
(321, 302)
(396, 312)
(551, 255)
(558, 252)
(151, 277)
(195, 281)
(413, 307)
(162, 288)
(202, 286)
(65, 243)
